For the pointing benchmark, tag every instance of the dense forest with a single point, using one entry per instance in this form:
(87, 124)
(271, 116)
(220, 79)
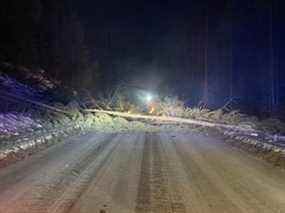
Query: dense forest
(46, 34)
(210, 53)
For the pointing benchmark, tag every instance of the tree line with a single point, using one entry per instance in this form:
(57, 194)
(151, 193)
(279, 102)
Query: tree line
(47, 34)
(231, 50)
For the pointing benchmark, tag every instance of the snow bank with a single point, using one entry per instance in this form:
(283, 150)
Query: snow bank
(14, 123)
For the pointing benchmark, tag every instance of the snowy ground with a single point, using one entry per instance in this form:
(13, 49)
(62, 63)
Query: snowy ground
(22, 136)
(15, 123)
(142, 172)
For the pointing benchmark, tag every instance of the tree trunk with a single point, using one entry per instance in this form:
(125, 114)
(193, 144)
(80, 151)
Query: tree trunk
(272, 70)
(206, 92)
(231, 78)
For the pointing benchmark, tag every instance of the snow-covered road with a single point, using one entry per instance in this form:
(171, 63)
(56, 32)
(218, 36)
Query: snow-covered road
(142, 172)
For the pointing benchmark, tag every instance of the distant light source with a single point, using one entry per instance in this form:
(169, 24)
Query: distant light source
(148, 98)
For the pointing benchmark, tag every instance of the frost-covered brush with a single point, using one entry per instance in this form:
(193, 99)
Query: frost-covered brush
(13, 86)
(16, 95)
(235, 129)
(13, 123)
(37, 77)
(35, 105)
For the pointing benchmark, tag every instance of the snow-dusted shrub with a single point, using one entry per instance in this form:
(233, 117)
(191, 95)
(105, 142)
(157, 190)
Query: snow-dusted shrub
(170, 107)
(195, 113)
(273, 126)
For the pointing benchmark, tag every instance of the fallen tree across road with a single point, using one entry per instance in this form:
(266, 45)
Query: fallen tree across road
(171, 119)
(247, 131)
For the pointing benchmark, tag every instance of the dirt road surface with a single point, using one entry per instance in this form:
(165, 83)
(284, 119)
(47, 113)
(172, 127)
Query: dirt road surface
(142, 172)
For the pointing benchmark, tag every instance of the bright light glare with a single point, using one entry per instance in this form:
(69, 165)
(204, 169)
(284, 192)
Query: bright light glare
(148, 98)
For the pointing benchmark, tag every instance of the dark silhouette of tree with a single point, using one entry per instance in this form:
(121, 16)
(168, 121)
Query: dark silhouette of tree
(205, 98)
(47, 34)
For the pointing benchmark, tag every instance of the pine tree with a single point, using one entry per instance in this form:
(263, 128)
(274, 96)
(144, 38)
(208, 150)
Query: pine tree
(206, 74)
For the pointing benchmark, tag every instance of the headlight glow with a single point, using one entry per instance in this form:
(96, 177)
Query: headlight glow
(148, 98)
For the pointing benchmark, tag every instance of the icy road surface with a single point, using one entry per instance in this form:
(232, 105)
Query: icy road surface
(142, 172)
